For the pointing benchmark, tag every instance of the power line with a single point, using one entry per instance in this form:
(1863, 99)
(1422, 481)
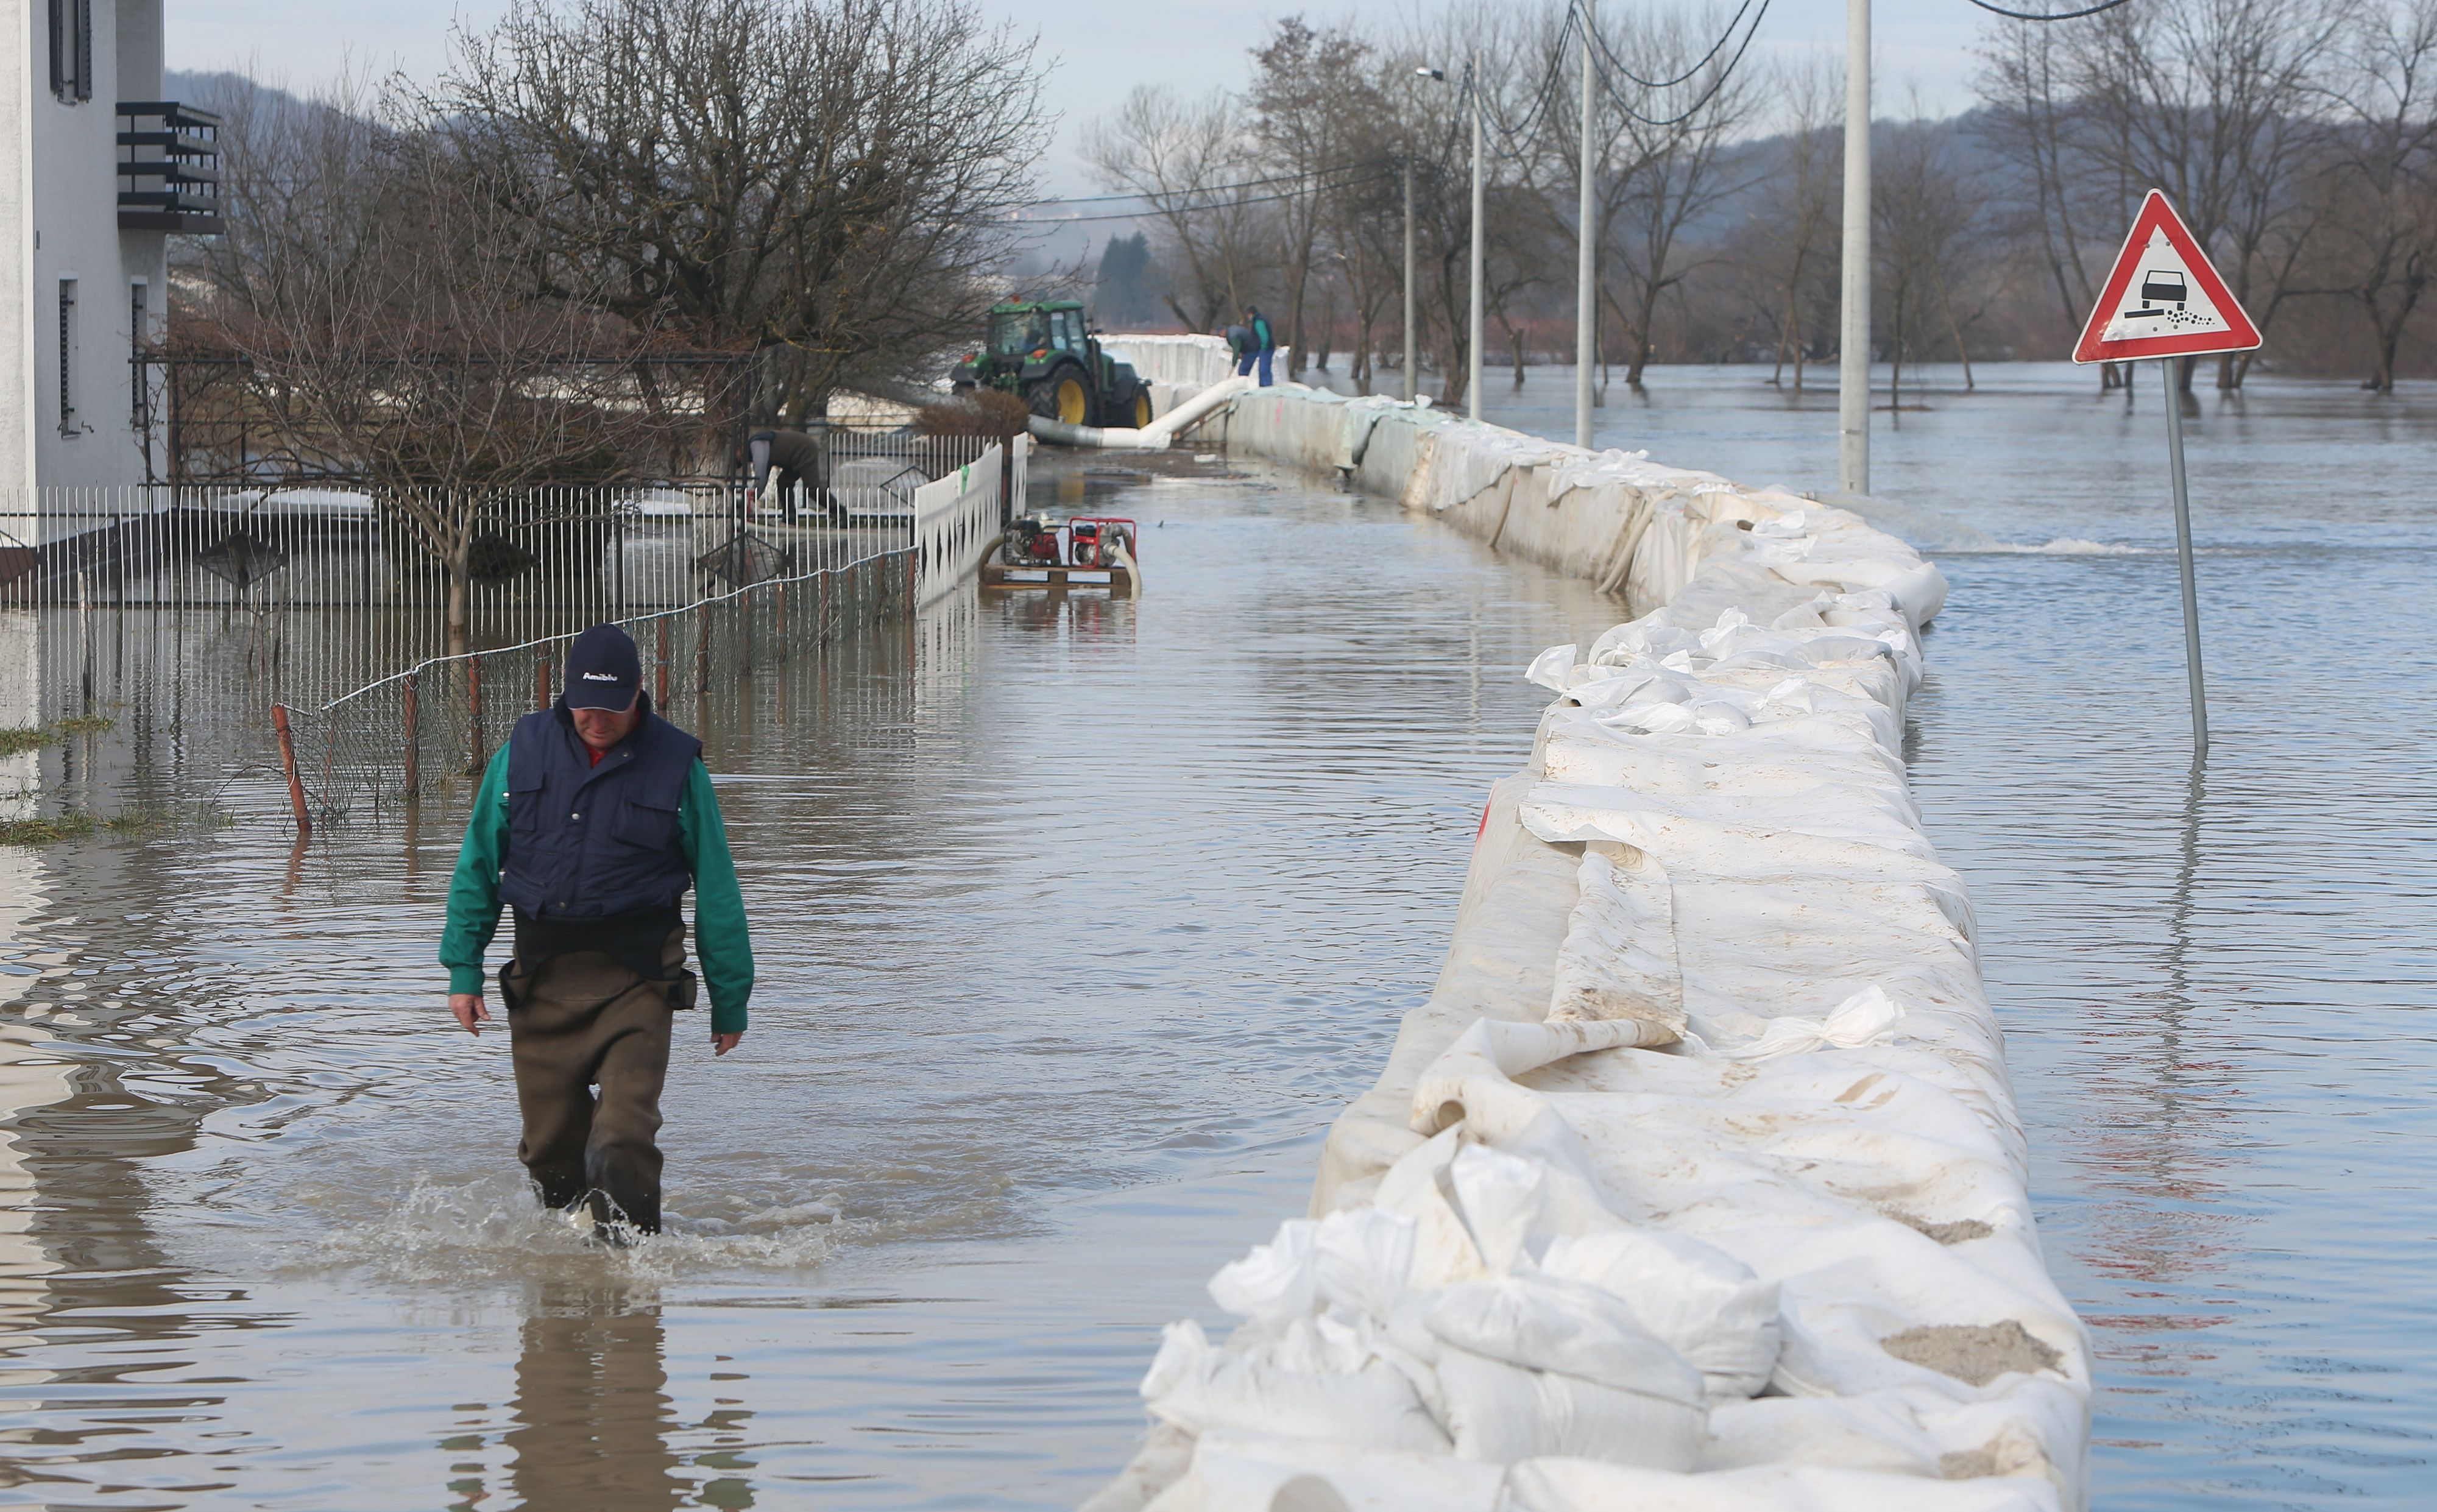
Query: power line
(1376, 172)
(1212, 188)
(1716, 84)
(1715, 48)
(1513, 152)
(2059, 16)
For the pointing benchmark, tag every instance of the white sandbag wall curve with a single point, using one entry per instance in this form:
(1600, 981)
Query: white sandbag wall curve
(1698, 1182)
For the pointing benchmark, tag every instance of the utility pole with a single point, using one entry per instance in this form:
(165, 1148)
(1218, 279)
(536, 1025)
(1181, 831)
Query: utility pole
(1853, 339)
(1587, 244)
(1472, 375)
(1408, 274)
(1411, 361)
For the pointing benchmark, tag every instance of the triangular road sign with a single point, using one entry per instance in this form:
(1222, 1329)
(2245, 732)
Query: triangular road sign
(2163, 299)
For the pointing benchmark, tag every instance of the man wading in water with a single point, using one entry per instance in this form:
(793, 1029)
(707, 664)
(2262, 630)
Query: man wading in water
(591, 823)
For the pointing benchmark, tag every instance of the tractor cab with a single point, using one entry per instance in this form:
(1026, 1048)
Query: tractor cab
(1014, 333)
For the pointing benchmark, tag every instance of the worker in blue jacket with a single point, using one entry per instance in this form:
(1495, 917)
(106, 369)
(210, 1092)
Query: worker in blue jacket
(1261, 345)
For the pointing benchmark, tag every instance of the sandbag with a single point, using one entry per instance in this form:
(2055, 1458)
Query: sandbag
(1499, 1413)
(1703, 1302)
(1583, 1485)
(1548, 1323)
(1203, 1389)
(1239, 1472)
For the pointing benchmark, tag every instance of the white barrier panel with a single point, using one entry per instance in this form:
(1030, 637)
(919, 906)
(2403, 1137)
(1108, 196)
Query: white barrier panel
(1179, 367)
(1698, 1182)
(956, 523)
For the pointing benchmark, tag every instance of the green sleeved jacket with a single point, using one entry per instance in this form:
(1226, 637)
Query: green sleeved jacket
(721, 941)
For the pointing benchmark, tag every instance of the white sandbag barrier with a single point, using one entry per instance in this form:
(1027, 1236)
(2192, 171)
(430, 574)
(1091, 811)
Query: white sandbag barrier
(1697, 1181)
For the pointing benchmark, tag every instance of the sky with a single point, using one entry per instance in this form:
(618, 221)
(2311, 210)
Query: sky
(1103, 47)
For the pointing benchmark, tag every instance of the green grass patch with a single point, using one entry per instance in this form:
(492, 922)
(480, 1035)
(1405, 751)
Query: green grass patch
(126, 824)
(161, 819)
(68, 826)
(34, 737)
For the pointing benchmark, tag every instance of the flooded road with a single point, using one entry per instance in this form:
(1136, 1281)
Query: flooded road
(1078, 923)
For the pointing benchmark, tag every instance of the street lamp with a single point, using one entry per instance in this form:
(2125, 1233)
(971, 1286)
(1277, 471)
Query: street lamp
(1411, 383)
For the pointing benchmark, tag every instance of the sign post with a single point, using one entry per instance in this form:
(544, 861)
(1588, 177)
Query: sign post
(2164, 300)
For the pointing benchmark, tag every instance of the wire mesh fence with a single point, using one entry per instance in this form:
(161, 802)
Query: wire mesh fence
(439, 723)
(222, 612)
(430, 573)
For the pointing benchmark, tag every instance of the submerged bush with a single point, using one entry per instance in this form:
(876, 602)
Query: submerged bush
(982, 412)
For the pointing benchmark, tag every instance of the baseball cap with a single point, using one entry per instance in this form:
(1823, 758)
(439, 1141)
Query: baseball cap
(603, 670)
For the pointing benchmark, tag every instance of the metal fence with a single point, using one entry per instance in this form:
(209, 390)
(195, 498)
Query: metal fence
(438, 723)
(323, 612)
(535, 563)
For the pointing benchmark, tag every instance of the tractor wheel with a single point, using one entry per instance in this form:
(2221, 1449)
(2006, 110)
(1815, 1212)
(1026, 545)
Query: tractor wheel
(1062, 396)
(1142, 406)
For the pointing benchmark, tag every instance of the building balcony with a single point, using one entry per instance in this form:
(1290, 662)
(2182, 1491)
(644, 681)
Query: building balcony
(168, 168)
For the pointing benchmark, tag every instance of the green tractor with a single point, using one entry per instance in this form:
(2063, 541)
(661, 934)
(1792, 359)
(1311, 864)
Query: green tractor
(1043, 352)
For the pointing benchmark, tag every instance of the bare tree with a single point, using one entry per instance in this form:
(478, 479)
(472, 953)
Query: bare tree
(826, 178)
(1678, 137)
(2379, 199)
(1313, 101)
(1191, 162)
(2211, 100)
(1796, 217)
(1927, 222)
(2030, 126)
(398, 323)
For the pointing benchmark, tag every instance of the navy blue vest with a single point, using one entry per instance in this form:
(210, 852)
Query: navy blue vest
(587, 841)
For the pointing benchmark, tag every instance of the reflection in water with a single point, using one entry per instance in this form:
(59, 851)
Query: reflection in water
(591, 1411)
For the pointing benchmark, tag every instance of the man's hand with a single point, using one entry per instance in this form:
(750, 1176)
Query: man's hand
(722, 1043)
(470, 1012)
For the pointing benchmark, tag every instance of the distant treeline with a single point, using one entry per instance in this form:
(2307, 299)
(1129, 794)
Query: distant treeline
(2298, 137)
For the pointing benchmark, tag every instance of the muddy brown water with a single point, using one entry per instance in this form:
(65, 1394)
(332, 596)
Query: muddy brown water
(1078, 920)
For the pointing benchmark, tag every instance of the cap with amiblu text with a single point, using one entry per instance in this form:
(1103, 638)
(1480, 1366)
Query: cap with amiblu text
(604, 669)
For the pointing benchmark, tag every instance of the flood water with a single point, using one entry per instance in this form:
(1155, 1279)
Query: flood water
(1079, 921)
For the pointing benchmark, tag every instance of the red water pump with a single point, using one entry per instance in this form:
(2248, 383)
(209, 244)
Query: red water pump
(1031, 538)
(1096, 537)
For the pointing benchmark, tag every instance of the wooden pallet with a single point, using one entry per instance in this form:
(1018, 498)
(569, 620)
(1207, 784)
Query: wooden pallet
(1043, 576)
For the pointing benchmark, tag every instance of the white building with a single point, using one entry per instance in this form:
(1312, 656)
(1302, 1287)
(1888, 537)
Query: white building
(97, 171)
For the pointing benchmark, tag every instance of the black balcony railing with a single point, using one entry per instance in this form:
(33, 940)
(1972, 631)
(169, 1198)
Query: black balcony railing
(168, 167)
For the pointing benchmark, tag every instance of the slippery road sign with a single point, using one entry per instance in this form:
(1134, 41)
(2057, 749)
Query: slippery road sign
(2163, 299)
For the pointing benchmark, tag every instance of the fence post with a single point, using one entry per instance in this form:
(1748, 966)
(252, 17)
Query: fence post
(702, 650)
(661, 672)
(542, 698)
(474, 716)
(287, 759)
(413, 738)
(822, 633)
